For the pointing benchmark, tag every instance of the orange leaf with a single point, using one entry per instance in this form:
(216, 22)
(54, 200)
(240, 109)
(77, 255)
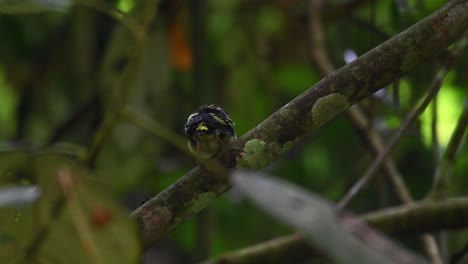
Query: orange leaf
(181, 52)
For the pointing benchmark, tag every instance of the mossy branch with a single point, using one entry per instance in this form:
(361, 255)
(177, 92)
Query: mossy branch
(310, 110)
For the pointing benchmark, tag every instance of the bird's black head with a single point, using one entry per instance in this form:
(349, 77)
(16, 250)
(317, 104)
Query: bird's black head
(209, 120)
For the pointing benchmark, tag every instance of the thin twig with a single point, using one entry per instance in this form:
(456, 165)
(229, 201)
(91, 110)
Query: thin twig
(317, 39)
(78, 217)
(443, 171)
(377, 146)
(436, 84)
(105, 7)
(434, 133)
(124, 92)
(415, 218)
(155, 128)
(170, 136)
(441, 237)
(74, 120)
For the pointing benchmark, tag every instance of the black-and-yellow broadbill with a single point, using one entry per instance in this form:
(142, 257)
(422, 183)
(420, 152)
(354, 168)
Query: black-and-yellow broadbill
(208, 128)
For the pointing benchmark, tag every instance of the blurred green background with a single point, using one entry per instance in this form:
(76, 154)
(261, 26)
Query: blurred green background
(59, 72)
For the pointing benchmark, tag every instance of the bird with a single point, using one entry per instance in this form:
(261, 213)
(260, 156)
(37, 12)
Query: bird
(208, 128)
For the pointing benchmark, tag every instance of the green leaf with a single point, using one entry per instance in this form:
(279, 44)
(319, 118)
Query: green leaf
(75, 220)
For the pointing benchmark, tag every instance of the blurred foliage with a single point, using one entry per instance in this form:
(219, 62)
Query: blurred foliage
(73, 211)
(60, 71)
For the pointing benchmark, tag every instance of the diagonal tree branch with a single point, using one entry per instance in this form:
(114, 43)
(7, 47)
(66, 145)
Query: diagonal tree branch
(310, 110)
